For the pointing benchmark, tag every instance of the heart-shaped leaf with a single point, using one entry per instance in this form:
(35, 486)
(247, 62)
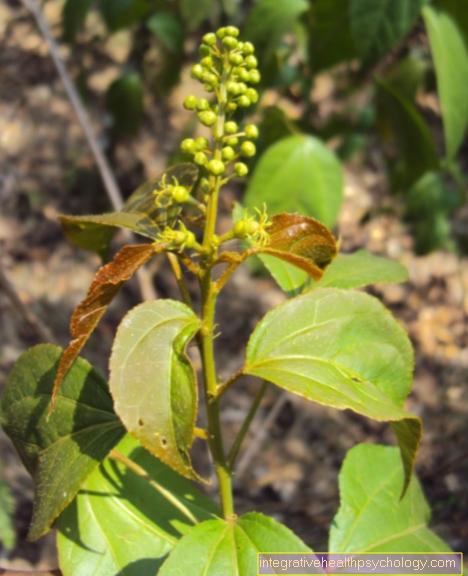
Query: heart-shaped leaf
(230, 547)
(119, 524)
(153, 383)
(371, 481)
(361, 269)
(140, 213)
(341, 349)
(61, 450)
(301, 241)
(107, 282)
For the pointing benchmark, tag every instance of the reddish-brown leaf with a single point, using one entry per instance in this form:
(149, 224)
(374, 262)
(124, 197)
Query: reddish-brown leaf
(301, 241)
(107, 282)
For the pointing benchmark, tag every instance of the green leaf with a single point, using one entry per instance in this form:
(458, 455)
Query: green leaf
(458, 10)
(229, 548)
(377, 25)
(7, 511)
(139, 213)
(59, 450)
(450, 56)
(341, 349)
(330, 39)
(167, 29)
(269, 20)
(298, 174)
(124, 99)
(195, 11)
(361, 269)
(289, 278)
(370, 484)
(74, 14)
(399, 120)
(119, 524)
(123, 13)
(153, 383)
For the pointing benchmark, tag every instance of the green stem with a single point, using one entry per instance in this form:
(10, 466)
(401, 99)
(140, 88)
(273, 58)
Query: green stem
(246, 425)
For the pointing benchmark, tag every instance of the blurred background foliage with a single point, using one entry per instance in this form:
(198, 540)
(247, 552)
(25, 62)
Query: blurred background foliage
(396, 72)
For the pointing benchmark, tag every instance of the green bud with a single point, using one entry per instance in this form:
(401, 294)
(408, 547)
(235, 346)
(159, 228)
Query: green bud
(248, 149)
(232, 141)
(210, 78)
(216, 167)
(180, 194)
(190, 103)
(209, 39)
(241, 169)
(204, 185)
(203, 104)
(200, 159)
(221, 33)
(231, 127)
(240, 46)
(244, 102)
(204, 50)
(252, 95)
(232, 88)
(242, 88)
(231, 107)
(207, 62)
(248, 48)
(254, 77)
(207, 117)
(240, 229)
(188, 146)
(228, 153)
(251, 62)
(244, 75)
(232, 31)
(196, 71)
(230, 42)
(236, 59)
(209, 88)
(251, 132)
(201, 144)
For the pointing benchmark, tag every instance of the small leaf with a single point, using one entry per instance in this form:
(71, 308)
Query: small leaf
(450, 56)
(377, 25)
(74, 14)
(119, 524)
(140, 213)
(341, 349)
(301, 241)
(398, 119)
(167, 29)
(289, 278)
(371, 481)
(195, 11)
(123, 13)
(298, 174)
(361, 269)
(107, 282)
(59, 451)
(124, 99)
(230, 547)
(153, 383)
(7, 511)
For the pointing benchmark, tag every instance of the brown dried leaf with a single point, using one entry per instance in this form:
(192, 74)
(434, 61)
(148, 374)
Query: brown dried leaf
(301, 241)
(107, 282)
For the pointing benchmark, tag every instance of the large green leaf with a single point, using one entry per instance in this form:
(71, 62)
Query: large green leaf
(450, 56)
(458, 10)
(153, 383)
(269, 20)
(370, 484)
(123, 13)
(341, 349)
(74, 14)
(361, 269)
(229, 548)
(195, 11)
(119, 523)
(377, 25)
(61, 449)
(298, 174)
(124, 99)
(399, 120)
(168, 30)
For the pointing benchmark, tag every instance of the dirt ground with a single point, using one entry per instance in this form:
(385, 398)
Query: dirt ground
(46, 169)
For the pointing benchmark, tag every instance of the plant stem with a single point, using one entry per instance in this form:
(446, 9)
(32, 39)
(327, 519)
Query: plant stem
(139, 471)
(246, 425)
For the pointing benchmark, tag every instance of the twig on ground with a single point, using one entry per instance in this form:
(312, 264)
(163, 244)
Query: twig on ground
(107, 175)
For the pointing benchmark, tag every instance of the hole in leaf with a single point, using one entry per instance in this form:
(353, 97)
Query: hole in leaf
(141, 422)
(163, 442)
(354, 379)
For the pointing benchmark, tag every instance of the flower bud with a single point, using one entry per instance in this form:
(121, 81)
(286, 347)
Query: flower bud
(228, 153)
(251, 62)
(254, 77)
(209, 88)
(252, 95)
(207, 61)
(232, 31)
(188, 146)
(231, 127)
(231, 107)
(204, 184)
(180, 194)
(203, 104)
(251, 132)
(232, 88)
(196, 71)
(236, 59)
(244, 75)
(221, 33)
(248, 48)
(204, 50)
(201, 143)
(241, 169)
(232, 142)
(216, 167)
(244, 102)
(242, 88)
(230, 42)
(190, 102)
(248, 149)
(200, 159)
(207, 118)
(210, 38)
